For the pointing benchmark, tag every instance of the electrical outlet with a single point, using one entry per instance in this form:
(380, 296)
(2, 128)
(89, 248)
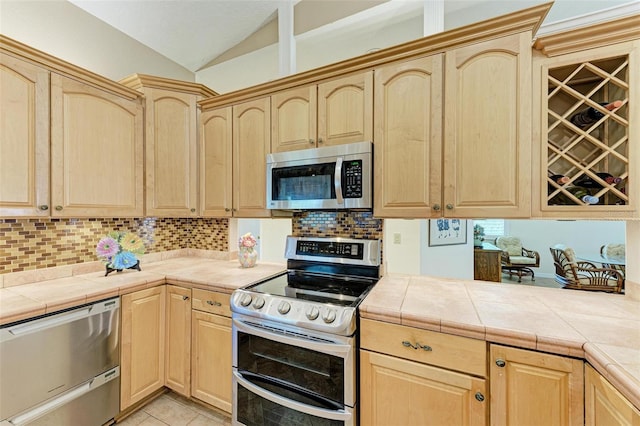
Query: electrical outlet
(397, 238)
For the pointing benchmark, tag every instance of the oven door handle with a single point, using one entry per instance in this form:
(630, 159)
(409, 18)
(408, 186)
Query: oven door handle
(341, 350)
(339, 415)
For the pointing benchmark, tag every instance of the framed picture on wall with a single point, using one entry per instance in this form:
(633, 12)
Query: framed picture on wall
(447, 232)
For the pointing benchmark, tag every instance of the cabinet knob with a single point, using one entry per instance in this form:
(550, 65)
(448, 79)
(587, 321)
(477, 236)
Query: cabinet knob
(500, 362)
(185, 297)
(193, 210)
(311, 141)
(44, 207)
(449, 206)
(58, 208)
(227, 209)
(436, 207)
(320, 140)
(479, 396)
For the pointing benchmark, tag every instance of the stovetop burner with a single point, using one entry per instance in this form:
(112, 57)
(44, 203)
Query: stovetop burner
(326, 280)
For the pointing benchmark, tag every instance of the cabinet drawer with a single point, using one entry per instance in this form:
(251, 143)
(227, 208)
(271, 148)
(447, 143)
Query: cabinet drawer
(444, 350)
(211, 301)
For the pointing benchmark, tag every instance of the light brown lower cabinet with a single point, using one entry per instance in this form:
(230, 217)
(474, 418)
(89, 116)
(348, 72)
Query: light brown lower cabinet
(534, 388)
(211, 349)
(178, 340)
(414, 376)
(142, 364)
(604, 405)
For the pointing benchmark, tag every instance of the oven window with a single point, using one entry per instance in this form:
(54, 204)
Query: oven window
(311, 182)
(314, 371)
(255, 410)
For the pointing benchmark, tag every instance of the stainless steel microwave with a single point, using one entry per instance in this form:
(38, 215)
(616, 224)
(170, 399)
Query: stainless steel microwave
(332, 177)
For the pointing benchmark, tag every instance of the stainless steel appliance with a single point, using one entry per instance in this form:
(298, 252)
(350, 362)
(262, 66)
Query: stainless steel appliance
(62, 369)
(333, 177)
(295, 335)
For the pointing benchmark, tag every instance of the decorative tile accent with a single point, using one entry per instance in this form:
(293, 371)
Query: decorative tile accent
(28, 244)
(337, 224)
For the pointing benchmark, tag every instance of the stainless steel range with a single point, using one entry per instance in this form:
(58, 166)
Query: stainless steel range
(295, 335)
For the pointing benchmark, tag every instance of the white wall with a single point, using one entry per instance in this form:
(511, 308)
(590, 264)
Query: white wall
(65, 31)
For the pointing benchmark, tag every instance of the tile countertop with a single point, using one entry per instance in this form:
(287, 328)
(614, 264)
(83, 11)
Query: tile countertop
(29, 300)
(603, 329)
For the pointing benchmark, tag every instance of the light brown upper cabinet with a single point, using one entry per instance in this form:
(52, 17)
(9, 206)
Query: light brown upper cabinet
(251, 143)
(487, 133)
(234, 142)
(96, 152)
(330, 113)
(171, 142)
(24, 138)
(587, 164)
(471, 159)
(408, 138)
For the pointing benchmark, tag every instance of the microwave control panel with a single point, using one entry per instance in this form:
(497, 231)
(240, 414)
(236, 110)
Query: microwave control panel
(352, 179)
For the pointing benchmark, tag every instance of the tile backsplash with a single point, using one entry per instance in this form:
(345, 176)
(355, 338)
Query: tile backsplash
(27, 244)
(347, 224)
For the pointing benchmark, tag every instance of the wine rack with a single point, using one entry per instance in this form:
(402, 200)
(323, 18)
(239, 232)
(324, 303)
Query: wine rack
(581, 151)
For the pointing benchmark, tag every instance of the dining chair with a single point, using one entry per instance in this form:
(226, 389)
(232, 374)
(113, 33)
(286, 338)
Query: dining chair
(579, 275)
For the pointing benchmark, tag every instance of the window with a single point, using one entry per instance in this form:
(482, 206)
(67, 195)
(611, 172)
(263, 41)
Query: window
(492, 227)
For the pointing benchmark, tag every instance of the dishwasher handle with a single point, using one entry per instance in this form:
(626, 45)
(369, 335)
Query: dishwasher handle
(63, 318)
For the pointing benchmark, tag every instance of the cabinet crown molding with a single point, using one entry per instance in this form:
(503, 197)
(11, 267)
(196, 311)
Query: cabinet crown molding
(15, 48)
(139, 81)
(520, 21)
(619, 30)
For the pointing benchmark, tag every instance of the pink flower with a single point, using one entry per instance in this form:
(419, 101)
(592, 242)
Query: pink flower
(107, 247)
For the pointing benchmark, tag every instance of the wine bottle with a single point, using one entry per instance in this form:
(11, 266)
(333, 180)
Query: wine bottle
(590, 115)
(587, 182)
(559, 179)
(580, 193)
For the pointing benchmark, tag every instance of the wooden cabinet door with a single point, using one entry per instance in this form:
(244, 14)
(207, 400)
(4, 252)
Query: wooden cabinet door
(395, 391)
(211, 359)
(96, 152)
(170, 153)
(178, 340)
(143, 345)
(345, 110)
(216, 197)
(24, 138)
(533, 388)
(293, 119)
(251, 143)
(604, 405)
(487, 144)
(408, 138)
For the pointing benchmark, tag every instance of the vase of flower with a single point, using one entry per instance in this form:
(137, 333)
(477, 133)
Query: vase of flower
(247, 253)
(478, 235)
(120, 250)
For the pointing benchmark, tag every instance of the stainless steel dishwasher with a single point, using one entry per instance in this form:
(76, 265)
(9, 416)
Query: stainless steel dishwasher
(62, 369)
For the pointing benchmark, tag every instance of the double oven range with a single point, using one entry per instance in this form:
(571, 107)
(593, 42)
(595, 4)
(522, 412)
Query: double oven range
(295, 338)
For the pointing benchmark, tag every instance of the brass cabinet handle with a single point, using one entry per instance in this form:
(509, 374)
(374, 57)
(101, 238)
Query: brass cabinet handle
(408, 344)
(449, 206)
(436, 207)
(500, 362)
(193, 210)
(311, 141)
(185, 297)
(213, 303)
(58, 208)
(227, 209)
(320, 140)
(479, 396)
(44, 207)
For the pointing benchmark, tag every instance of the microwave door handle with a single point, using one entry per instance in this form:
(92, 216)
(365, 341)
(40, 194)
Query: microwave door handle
(337, 180)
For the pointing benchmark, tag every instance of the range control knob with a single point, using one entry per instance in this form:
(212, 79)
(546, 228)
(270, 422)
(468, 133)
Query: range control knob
(245, 299)
(312, 313)
(329, 316)
(284, 307)
(259, 302)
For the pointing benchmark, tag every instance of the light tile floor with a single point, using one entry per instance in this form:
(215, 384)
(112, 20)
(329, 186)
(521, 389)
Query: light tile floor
(174, 410)
(539, 282)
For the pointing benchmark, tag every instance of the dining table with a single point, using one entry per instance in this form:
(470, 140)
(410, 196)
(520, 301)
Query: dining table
(600, 258)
